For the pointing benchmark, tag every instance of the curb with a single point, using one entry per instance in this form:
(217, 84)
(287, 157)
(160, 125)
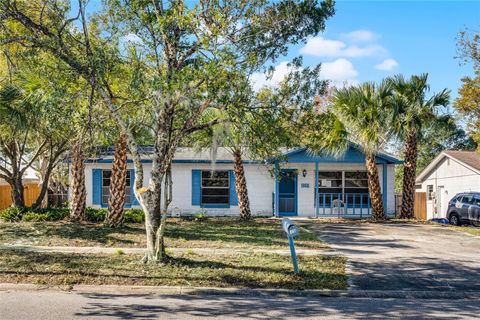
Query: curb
(215, 291)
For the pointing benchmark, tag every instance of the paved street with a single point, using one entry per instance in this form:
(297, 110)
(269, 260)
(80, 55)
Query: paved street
(405, 256)
(40, 305)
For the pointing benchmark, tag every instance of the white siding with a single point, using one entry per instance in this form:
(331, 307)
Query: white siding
(455, 178)
(260, 183)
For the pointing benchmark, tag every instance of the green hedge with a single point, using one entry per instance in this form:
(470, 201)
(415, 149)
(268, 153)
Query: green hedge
(56, 214)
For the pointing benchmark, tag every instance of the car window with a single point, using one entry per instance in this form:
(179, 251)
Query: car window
(467, 199)
(476, 200)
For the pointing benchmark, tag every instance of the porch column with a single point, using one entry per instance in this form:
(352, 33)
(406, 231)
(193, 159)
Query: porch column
(277, 189)
(316, 189)
(384, 196)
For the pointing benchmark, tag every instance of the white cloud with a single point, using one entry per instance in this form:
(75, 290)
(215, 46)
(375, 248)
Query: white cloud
(340, 70)
(260, 80)
(361, 36)
(387, 65)
(320, 47)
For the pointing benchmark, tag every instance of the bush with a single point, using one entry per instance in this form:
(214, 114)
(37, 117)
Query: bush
(12, 214)
(202, 216)
(134, 216)
(95, 215)
(35, 216)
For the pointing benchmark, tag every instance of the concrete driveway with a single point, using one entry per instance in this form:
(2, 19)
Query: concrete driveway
(404, 256)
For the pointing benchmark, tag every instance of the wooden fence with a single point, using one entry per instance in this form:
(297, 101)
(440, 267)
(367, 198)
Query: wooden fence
(419, 206)
(31, 192)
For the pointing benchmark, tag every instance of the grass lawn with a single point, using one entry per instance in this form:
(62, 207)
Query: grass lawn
(240, 270)
(260, 233)
(465, 228)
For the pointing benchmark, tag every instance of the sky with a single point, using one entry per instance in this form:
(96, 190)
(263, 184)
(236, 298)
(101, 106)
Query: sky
(370, 40)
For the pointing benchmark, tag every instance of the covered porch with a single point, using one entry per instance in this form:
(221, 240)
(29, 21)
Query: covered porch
(323, 186)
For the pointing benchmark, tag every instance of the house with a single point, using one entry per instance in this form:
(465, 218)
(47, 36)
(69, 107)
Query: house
(309, 185)
(451, 172)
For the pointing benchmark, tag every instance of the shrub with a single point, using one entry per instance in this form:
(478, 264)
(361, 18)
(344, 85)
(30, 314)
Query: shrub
(95, 215)
(134, 216)
(36, 216)
(202, 216)
(12, 214)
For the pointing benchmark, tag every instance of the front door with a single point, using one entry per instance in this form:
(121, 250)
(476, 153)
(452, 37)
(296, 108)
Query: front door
(287, 195)
(441, 210)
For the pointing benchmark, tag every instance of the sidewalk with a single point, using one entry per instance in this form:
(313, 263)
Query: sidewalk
(113, 250)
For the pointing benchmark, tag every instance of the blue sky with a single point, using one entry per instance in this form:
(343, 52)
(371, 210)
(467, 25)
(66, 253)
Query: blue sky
(369, 40)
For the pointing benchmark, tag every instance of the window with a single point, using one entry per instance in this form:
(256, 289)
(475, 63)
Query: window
(330, 187)
(467, 199)
(356, 188)
(215, 187)
(429, 192)
(106, 179)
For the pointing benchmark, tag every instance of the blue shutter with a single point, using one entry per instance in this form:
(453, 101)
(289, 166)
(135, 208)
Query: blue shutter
(196, 182)
(97, 186)
(233, 190)
(132, 187)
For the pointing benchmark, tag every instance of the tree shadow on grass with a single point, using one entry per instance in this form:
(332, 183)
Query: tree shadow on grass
(84, 269)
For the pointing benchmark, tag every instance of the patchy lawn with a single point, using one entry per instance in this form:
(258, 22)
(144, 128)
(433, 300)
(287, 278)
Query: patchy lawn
(240, 270)
(260, 233)
(475, 231)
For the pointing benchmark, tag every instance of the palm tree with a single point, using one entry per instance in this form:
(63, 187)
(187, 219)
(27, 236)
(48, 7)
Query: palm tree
(79, 193)
(413, 112)
(116, 201)
(365, 110)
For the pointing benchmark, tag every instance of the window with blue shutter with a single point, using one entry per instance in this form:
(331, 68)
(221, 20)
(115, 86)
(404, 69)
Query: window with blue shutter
(196, 187)
(97, 186)
(233, 190)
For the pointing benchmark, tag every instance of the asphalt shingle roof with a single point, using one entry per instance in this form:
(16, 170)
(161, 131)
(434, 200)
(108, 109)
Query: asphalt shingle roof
(471, 158)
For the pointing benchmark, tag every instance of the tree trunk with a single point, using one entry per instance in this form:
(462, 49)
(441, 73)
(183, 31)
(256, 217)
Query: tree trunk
(116, 201)
(79, 193)
(409, 174)
(241, 186)
(378, 213)
(18, 199)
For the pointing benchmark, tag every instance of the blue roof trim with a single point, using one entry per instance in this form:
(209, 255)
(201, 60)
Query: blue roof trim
(353, 155)
(175, 161)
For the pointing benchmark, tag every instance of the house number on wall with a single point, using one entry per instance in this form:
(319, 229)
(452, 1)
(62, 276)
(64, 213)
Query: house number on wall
(305, 185)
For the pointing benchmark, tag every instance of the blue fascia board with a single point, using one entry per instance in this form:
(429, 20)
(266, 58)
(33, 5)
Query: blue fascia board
(177, 161)
(352, 155)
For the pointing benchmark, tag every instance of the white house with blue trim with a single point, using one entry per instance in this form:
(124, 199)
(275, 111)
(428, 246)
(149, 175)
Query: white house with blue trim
(307, 185)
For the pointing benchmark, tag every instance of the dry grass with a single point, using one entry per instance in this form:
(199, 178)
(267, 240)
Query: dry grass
(259, 233)
(240, 270)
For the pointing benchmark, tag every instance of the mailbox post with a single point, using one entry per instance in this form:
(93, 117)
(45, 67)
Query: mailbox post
(292, 231)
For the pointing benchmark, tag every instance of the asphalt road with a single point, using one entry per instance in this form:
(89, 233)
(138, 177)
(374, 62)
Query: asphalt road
(54, 304)
(405, 256)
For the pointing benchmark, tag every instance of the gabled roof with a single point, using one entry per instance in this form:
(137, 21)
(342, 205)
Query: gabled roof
(470, 159)
(352, 155)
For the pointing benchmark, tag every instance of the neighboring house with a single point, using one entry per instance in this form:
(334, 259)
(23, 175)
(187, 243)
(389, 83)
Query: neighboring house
(310, 185)
(451, 172)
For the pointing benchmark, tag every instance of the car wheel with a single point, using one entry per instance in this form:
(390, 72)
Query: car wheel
(454, 219)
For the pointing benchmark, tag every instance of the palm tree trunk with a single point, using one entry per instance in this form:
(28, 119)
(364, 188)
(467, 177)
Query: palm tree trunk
(79, 194)
(409, 174)
(116, 201)
(378, 213)
(241, 186)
